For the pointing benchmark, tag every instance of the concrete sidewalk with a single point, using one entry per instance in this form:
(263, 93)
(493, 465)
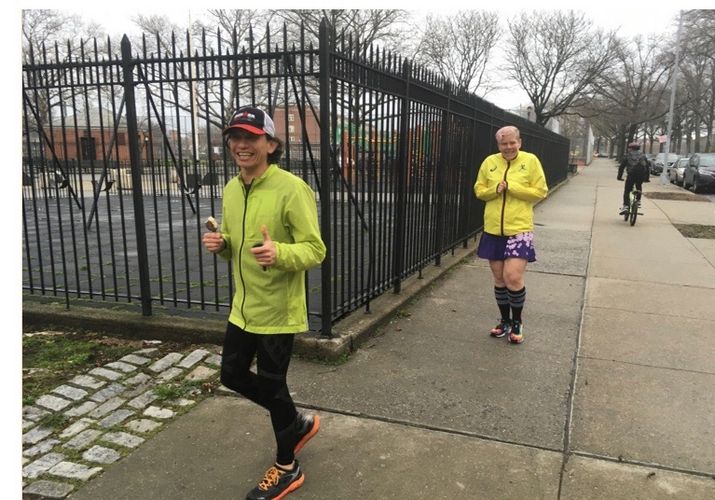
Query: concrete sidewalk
(610, 397)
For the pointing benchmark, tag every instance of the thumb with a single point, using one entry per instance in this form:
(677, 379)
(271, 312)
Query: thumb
(264, 232)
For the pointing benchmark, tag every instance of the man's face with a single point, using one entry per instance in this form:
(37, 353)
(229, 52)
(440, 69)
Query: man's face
(509, 145)
(250, 151)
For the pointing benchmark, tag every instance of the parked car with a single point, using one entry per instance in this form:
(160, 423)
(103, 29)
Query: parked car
(659, 163)
(676, 171)
(700, 172)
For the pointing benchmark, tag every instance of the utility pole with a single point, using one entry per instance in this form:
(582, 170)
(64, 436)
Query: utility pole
(676, 70)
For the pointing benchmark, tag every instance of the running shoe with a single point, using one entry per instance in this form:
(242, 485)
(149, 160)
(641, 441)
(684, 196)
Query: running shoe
(503, 328)
(516, 335)
(277, 483)
(308, 427)
(624, 210)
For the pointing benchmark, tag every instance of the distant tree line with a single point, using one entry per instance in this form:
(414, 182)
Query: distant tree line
(565, 64)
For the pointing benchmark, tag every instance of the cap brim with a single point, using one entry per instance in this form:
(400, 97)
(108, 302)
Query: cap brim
(250, 128)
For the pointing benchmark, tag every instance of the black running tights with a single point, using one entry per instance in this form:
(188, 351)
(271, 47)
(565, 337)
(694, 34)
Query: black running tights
(268, 387)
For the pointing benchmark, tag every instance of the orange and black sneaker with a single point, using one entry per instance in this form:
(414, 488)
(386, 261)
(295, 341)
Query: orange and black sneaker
(309, 426)
(503, 328)
(516, 335)
(277, 483)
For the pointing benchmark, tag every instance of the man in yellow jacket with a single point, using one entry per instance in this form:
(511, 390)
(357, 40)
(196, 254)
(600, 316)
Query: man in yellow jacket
(270, 234)
(510, 182)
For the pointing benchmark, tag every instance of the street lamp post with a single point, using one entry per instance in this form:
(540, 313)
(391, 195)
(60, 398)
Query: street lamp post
(663, 174)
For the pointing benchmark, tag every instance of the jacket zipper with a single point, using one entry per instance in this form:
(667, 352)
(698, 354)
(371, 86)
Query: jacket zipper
(240, 253)
(503, 203)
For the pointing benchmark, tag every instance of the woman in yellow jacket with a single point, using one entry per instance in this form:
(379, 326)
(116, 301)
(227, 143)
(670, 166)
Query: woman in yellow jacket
(270, 234)
(510, 182)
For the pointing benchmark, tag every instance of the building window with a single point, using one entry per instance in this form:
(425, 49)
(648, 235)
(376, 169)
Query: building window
(88, 148)
(291, 129)
(290, 117)
(121, 139)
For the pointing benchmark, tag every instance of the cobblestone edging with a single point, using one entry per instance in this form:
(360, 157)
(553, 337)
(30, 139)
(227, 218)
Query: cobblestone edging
(111, 410)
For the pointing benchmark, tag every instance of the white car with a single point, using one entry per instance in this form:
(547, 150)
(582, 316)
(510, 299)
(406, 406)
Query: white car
(675, 173)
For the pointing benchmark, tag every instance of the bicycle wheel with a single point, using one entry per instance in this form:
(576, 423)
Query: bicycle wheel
(633, 211)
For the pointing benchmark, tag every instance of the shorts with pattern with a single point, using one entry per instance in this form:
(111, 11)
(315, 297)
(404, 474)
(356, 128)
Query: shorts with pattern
(519, 246)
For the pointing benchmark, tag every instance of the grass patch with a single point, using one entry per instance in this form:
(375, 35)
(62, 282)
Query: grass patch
(676, 196)
(696, 231)
(187, 388)
(50, 360)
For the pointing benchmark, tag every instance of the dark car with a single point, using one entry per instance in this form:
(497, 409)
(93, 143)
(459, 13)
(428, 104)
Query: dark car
(700, 172)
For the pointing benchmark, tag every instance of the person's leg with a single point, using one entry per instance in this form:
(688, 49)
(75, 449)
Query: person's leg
(627, 190)
(502, 298)
(514, 269)
(274, 353)
(273, 357)
(239, 348)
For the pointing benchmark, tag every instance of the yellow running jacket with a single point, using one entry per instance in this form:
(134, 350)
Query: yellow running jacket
(510, 212)
(271, 300)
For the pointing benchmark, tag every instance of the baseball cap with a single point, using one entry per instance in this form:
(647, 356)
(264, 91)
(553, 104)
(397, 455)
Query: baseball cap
(255, 120)
(634, 145)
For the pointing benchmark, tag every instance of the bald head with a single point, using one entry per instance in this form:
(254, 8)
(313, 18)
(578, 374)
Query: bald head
(507, 131)
(509, 142)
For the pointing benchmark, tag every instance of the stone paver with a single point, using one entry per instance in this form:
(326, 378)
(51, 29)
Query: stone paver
(70, 392)
(77, 427)
(48, 489)
(53, 402)
(121, 366)
(42, 464)
(123, 439)
(193, 358)
(105, 373)
(96, 401)
(170, 374)
(160, 413)
(83, 439)
(138, 379)
(106, 407)
(36, 435)
(82, 409)
(34, 413)
(115, 418)
(142, 400)
(135, 360)
(41, 447)
(88, 382)
(101, 455)
(214, 359)
(149, 351)
(108, 392)
(162, 364)
(201, 373)
(142, 425)
(72, 470)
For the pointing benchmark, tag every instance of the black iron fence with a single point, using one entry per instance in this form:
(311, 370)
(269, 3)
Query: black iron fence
(123, 160)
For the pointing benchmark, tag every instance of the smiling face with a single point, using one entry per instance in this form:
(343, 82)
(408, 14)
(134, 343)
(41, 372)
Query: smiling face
(250, 152)
(509, 142)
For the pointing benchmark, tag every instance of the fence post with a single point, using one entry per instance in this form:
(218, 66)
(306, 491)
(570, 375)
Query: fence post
(326, 315)
(441, 172)
(398, 258)
(135, 161)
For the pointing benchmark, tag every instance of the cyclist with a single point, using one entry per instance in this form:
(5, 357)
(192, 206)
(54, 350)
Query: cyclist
(636, 165)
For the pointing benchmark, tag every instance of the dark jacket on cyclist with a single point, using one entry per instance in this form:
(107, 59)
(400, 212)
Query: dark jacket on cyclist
(635, 164)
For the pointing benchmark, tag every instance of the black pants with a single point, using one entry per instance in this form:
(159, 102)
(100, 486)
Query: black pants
(268, 387)
(630, 181)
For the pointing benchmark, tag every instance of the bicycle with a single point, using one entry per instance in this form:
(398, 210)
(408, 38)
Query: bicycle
(634, 198)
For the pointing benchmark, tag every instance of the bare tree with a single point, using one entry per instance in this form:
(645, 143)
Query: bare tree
(636, 85)
(459, 47)
(555, 57)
